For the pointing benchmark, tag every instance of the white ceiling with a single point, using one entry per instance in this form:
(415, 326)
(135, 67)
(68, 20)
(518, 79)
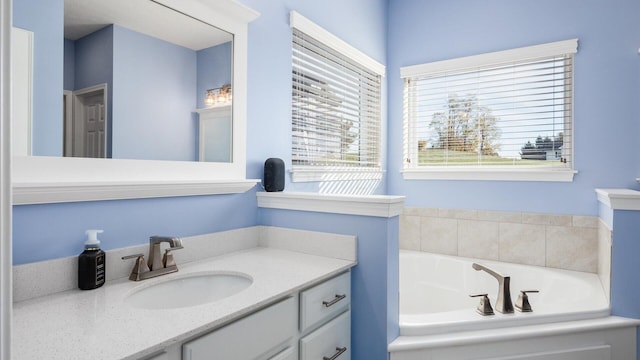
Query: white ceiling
(82, 17)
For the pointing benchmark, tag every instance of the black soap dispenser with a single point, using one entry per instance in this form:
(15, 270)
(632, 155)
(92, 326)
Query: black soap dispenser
(91, 263)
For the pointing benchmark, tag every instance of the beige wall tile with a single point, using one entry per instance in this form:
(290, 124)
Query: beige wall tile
(458, 213)
(585, 221)
(572, 248)
(531, 218)
(522, 243)
(478, 239)
(439, 235)
(500, 216)
(431, 212)
(546, 219)
(560, 220)
(604, 257)
(409, 232)
(409, 210)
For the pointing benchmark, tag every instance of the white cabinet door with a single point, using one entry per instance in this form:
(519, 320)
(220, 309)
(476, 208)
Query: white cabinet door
(332, 340)
(162, 356)
(267, 331)
(290, 353)
(324, 301)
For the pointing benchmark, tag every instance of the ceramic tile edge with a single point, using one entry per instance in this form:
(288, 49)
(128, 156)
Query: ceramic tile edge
(604, 257)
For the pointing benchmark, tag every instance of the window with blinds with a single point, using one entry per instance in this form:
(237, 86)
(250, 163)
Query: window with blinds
(506, 110)
(335, 108)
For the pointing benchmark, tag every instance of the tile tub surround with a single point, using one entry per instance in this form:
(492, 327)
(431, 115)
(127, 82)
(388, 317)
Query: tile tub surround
(53, 276)
(569, 242)
(605, 236)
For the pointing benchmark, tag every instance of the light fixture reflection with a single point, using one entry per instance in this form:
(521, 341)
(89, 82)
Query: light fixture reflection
(218, 96)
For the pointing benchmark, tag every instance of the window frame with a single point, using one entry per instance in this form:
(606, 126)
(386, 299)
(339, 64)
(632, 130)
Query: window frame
(311, 173)
(469, 172)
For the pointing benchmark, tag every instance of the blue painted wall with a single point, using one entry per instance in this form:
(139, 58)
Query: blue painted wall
(69, 64)
(607, 73)
(43, 232)
(94, 59)
(214, 69)
(361, 23)
(93, 65)
(148, 75)
(374, 281)
(45, 19)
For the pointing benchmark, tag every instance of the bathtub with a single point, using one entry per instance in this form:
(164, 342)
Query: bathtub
(570, 319)
(435, 289)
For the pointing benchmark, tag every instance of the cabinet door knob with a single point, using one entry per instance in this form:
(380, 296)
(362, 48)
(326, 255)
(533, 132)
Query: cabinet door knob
(339, 351)
(334, 301)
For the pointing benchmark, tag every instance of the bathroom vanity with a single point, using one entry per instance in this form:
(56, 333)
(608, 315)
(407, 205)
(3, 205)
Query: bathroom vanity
(275, 329)
(296, 307)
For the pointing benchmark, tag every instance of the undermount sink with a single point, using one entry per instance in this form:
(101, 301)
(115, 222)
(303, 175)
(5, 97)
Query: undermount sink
(190, 290)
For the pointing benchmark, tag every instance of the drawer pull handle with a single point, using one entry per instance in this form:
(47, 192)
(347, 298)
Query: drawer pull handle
(334, 301)
(339, 351)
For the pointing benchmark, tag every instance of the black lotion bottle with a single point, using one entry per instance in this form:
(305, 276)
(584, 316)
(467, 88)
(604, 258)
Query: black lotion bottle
(91, 263)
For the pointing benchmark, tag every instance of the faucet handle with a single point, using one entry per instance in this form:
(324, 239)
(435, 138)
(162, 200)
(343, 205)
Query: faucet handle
(484, 308)
(522, 304)
(167, 259)
(139, 268)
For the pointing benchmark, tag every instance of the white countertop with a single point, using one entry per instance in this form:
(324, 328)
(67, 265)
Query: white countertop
(97, 324)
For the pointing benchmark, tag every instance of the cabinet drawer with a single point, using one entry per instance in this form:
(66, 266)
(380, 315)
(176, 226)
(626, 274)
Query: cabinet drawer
(290, 353)
(324, 301)
(265, 331)
(329, 340)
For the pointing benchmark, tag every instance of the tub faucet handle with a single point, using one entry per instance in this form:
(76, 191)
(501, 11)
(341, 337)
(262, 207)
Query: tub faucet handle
(484, 308)
(522, 304)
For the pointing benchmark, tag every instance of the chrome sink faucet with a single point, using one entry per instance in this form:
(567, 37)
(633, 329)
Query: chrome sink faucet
(156, 265)
(155, 261)
(503, 304)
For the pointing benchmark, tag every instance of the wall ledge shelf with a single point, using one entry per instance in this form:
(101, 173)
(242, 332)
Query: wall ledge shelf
(366, 205)
(35, 193)
(619, 199)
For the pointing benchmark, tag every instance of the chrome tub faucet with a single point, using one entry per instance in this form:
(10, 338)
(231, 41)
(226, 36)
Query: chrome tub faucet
(503, 304)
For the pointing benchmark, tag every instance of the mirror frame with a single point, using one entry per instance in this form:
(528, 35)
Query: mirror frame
(42, 179)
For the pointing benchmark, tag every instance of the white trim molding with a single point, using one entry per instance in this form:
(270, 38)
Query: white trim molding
(497, 174)
(314, 30)
(369, 205)
(36, 178)
(519, 54)
(6, 278)
(619, 199)
(27, 194)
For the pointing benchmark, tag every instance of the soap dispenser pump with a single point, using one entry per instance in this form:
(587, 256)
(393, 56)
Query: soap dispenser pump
(91, 263)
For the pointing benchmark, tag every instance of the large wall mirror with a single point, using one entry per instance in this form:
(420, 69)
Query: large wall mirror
(128, 91)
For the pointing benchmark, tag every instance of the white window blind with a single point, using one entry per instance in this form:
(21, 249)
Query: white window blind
(335, 108)
(506, 110)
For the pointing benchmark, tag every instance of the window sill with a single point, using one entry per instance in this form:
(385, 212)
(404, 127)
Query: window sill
(489, 174)
(331, 173)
